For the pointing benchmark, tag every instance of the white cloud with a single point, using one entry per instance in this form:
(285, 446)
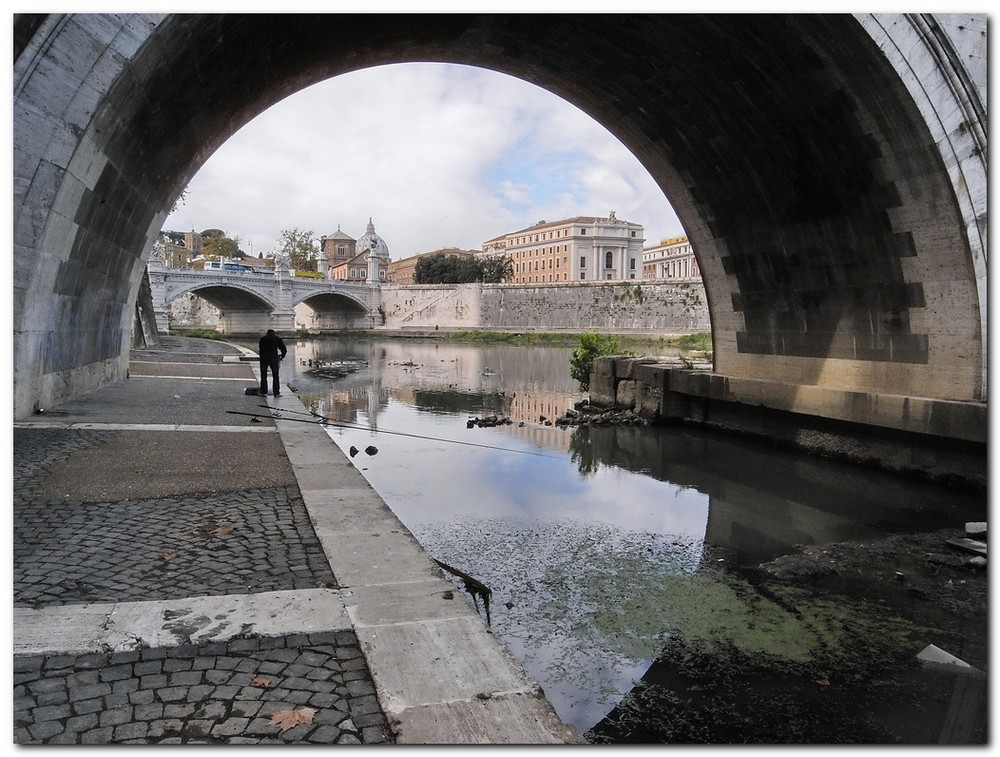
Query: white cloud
(435, 154)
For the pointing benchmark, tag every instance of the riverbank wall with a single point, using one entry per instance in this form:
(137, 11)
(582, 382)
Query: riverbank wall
(652, 307)
(928, 438)
(613, 307)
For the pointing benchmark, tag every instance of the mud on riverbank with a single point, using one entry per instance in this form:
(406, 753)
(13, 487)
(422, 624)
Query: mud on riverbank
(820, 647)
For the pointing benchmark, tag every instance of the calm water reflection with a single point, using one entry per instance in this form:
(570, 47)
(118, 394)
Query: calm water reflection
(579, 531)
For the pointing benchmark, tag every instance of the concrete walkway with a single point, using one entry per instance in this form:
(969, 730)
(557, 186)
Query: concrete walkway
(184, 574)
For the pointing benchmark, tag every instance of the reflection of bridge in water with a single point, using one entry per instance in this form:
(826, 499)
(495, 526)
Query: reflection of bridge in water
(251, 303)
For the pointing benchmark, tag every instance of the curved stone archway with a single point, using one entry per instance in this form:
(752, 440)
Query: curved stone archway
(225, 297)
(837, 202)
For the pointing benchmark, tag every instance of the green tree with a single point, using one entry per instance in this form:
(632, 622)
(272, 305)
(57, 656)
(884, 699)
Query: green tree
(582, 360)
(441, 268)
(300, 247)
(216, 245)
(495, 269)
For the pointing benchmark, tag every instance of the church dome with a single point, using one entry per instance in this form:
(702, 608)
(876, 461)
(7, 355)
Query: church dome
(370, 241)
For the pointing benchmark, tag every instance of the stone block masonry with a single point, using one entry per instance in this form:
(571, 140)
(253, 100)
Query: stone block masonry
(926, 437)
(611, 306)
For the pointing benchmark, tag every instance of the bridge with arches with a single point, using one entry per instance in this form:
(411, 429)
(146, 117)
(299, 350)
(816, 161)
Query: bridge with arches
(830, 170)
(252, 302)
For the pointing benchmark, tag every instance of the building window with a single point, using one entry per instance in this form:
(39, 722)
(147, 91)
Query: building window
(583, 231)
(633, 234)
(631, 264)
(583, 261)
(608, 260)
(583, 275)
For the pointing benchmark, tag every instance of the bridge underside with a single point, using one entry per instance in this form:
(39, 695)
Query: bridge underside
(241, 313)
(837, 246)
(328, 312)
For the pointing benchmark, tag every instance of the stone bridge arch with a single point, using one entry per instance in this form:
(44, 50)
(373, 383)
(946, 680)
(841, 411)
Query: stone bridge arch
(829, 169)
(250, 303)
(332, 311)
(224, 295)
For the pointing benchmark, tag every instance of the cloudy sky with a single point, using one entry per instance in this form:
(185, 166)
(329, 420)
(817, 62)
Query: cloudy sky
(436, 155)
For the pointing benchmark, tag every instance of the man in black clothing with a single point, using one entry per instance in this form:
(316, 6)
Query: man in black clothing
(272, 351)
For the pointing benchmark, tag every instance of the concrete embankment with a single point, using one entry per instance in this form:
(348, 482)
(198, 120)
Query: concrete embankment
(931, 438)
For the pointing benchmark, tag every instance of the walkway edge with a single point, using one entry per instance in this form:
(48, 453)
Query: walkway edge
(440, 674)
(121, 626)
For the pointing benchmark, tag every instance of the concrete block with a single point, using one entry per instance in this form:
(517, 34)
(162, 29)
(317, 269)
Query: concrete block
(517, 719)
(367, 558)
(602, 390)
(675, 405)
(438, 661)
(624, 367)
(932, 656)
(648, 400)
(625, 394)
(652, 374)
(81, 629)
(976, 529)
(603, 366)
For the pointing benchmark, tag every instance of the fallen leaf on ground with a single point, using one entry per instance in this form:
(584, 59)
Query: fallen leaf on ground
(290, 718)
(224, 529)
(822, 682)
(168, 555)
(260, 681)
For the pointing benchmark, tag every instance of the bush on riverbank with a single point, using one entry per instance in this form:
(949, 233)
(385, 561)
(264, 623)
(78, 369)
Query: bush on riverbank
(701, 341)
(582, 360)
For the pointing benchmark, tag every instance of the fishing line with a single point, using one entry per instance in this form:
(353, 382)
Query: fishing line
(324, 421)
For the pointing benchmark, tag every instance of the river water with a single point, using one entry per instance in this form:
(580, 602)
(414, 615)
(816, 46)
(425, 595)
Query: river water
(599, 545)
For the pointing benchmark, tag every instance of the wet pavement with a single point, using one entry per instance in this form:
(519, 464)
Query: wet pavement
(178, 579)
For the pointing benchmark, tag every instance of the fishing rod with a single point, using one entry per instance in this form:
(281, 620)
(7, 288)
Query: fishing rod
(324, 421)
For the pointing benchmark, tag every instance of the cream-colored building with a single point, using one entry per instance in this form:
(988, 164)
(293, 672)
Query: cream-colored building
(584, 248)
(672, 258)
(404, 271)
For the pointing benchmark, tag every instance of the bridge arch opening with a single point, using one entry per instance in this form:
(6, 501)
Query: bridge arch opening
(445, 155)
(836, 247)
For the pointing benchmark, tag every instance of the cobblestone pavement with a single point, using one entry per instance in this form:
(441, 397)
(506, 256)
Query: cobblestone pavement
(230, 542)
(234, 538)
(293, 689)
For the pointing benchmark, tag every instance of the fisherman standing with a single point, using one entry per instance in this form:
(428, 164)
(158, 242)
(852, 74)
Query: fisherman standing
(272, 351)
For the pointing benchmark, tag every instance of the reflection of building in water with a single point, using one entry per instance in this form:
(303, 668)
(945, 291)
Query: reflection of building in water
(343, 405)
(530, 406)
(545, 437)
